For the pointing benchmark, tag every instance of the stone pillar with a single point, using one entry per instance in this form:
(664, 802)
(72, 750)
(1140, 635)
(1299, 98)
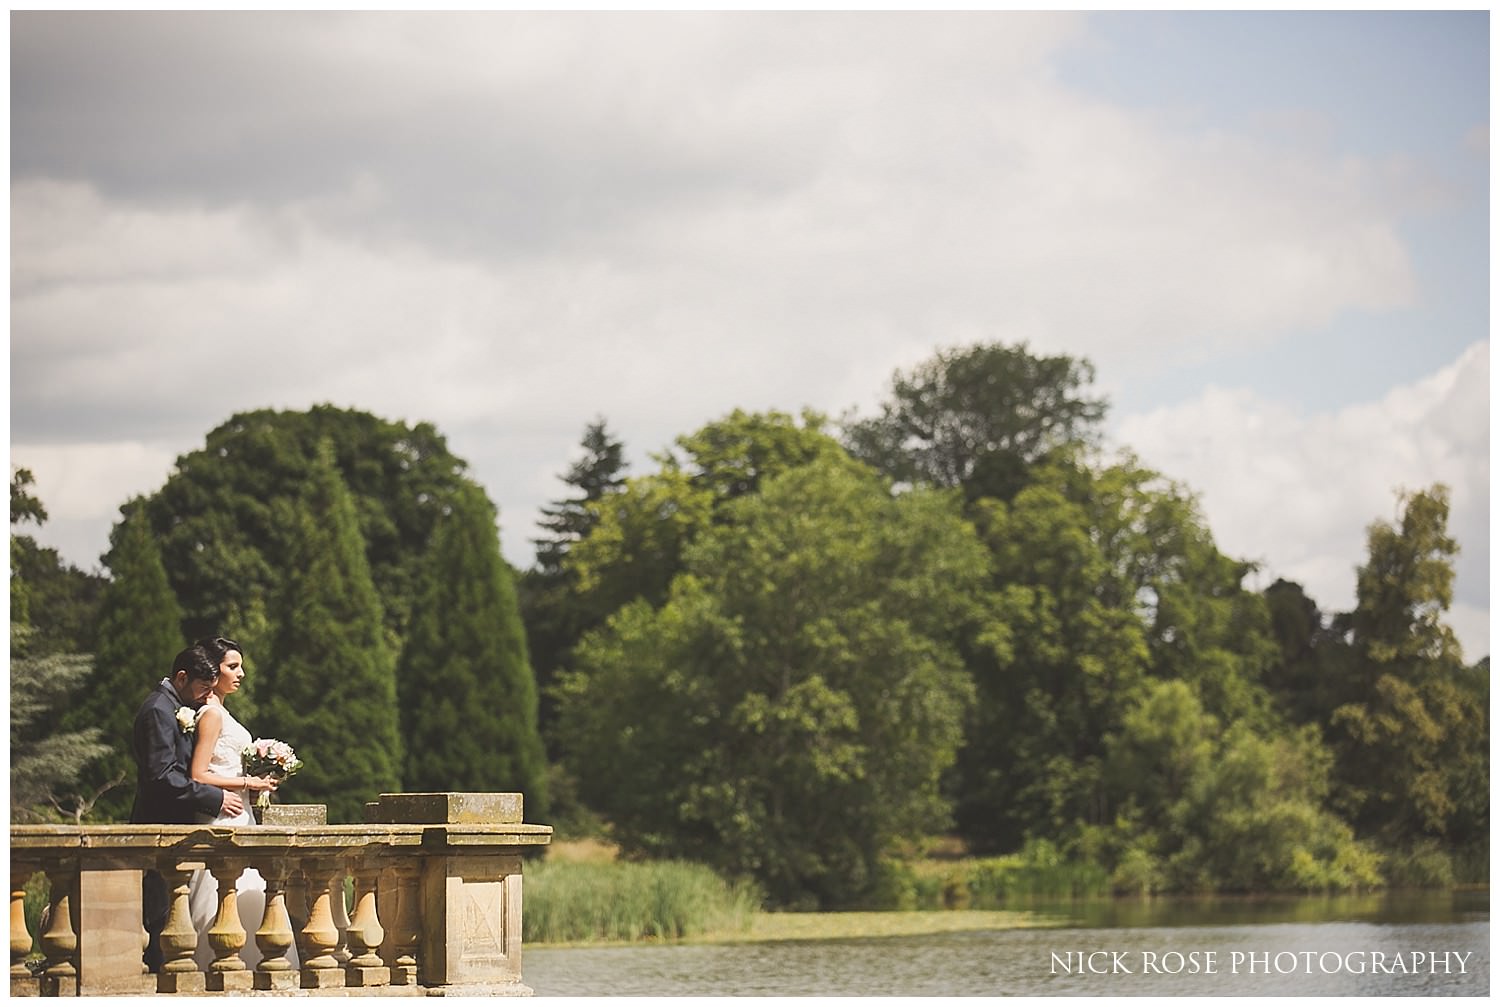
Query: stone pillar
(275, 935)
(22, 982)
(407, 936)
(60, 937)
(110, 935)
(365, 932)
(226, 935)
(179, 973)
(320, 937)
(472, 914)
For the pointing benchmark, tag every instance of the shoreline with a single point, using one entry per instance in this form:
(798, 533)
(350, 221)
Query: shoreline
(820, 926)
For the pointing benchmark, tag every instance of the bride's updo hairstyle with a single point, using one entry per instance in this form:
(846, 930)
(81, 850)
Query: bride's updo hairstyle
(216, 647)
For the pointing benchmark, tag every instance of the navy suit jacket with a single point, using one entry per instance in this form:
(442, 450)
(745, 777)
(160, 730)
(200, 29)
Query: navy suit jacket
(165, 793)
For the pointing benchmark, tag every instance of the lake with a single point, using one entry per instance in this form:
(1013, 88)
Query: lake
(1425, 944)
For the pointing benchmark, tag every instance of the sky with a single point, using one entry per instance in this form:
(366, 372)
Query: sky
(1268, 232)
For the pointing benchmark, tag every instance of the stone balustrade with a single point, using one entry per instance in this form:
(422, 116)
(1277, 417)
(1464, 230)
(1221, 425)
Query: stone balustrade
(436, 904)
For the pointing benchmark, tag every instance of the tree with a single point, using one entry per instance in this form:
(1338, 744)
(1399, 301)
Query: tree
(596, 474)
(327, 681)
(787, 712)
(1061, 654)
(1410, 712)
(468, 697)
(23, 507)
(1105, 578)
(550, 606)
(138, 633)
(1205, 806)
(1312, 653)
(637, 545)
(61, 601)
(978, 417)
(45, 760)
(218, 518)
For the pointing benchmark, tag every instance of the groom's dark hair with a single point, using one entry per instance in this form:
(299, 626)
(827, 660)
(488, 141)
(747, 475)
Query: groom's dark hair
(197, 662)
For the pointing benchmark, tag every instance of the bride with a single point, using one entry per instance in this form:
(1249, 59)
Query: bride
(218, 741)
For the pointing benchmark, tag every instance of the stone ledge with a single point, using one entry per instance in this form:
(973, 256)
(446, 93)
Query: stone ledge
(446, 809)
(294, 815)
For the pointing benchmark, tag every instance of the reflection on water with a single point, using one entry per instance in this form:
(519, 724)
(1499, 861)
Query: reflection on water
(1425, 945)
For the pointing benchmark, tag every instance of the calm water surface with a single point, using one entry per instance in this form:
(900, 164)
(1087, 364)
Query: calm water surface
(1432, 945)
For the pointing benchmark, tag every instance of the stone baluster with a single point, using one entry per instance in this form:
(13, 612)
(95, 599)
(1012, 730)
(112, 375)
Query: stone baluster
(408, 929)
(179, 972)
(60, 937)
(365, 932)
(275, 935)
(22, 982)
(320, 937)
(226, 936)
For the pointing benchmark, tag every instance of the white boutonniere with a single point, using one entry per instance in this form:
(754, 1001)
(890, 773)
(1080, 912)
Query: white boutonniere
(187, 719)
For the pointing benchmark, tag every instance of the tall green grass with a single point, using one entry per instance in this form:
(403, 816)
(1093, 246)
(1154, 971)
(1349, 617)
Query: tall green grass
(664, 900)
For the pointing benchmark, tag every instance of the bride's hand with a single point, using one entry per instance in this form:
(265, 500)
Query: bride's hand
(259, 783)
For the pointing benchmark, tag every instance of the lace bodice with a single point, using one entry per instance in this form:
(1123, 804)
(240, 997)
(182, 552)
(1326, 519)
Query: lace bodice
(234, 738)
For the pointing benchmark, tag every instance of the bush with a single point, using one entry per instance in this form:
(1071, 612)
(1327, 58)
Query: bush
(1425, 865)
(665, 900)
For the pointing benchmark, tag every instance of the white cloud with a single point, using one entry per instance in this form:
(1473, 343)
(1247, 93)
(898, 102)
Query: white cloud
(508, 225)
(1297, 492)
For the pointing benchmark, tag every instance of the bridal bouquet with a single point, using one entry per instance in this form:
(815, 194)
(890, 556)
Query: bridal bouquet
(269, 757)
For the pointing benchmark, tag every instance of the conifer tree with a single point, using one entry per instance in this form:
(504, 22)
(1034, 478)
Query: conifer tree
(468, 696)
(550, 608)
(597, 474)
(328, 681)
(138, 633)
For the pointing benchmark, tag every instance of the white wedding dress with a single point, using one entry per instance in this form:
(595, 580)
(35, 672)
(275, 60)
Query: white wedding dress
(203, 890)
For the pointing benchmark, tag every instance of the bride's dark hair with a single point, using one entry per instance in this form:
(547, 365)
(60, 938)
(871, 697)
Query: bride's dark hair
(217, 647)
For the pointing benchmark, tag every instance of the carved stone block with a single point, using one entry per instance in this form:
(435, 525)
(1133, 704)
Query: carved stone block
(472, 911)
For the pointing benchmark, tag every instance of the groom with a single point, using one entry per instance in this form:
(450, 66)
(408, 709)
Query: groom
(165, 792)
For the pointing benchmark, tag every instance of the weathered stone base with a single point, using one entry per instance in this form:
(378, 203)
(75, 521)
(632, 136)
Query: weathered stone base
(27, 987)
(322, 979)
(226, 982)
(367, 975)
(180, 982)
(278, 982)
(404, 975)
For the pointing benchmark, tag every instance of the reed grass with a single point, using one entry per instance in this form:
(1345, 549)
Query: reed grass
(570, 902)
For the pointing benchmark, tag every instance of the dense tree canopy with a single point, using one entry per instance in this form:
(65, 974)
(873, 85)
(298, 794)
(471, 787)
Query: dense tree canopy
(220, 517)
(787, 712)
(793, 657)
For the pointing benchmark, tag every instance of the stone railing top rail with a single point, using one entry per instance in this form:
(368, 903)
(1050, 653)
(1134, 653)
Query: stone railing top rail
(127, 837)
(397, 820)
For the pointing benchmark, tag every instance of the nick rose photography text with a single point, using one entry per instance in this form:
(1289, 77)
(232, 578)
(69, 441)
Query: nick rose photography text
(1260, 962)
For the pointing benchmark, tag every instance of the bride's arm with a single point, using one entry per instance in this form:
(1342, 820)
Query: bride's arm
(205, 736)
